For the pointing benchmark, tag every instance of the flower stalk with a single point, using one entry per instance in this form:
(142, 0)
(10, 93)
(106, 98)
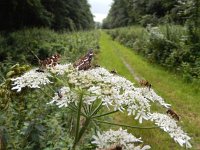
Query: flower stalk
(127, 126)
(76, 140)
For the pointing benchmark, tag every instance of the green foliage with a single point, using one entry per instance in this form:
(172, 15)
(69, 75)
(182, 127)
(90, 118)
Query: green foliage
(143, 12)
(183, 96)
(130, 12)
(56, 14)
(16, 47)
(5, 93)
(170, 46)
(27, 122)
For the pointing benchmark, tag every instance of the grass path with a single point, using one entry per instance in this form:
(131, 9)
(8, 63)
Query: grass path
(184, 98)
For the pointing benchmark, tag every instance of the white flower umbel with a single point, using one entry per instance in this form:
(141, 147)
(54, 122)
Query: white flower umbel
(61, 69)
(169, 125)
(121, 138)
(65, 97)
(151, 95)
(114, 91)
(31, 79)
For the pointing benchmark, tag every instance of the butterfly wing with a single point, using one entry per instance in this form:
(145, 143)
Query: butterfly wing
(84, 63)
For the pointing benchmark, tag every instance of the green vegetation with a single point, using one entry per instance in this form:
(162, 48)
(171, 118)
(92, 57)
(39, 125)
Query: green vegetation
(27, 122)
(67, 15)
(154, 12)
(184, 97)
(16, 47)
(156, 40)
(168, 46)
(174, 45)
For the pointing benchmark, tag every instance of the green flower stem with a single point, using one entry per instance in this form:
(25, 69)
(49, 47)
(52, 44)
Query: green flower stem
(85, 109)
(78, 120)
(97, 109)
(45, 93)
(91, 106)
(96, 126)
(127, 126)
(112, 112)
(51, 89)
(61, 81)
(74, 108)
(83, 129)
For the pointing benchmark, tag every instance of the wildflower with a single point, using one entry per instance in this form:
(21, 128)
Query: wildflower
(113, 92)
(31, 79)
(68, 96)
(61, 69)
(169, 125)
(120, 137)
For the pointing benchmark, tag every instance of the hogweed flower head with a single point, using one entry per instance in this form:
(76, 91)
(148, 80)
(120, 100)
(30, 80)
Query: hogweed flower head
(169, 125)
(31, 79)
(118, 93)
(118, 138)
(61, 69)
(112, 91)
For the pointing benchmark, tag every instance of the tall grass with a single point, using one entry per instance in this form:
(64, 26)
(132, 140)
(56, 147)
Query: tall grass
(184, 97)
(170, 46)
(16, 47)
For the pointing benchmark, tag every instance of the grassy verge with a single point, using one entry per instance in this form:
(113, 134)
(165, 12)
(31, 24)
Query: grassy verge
(184, 97)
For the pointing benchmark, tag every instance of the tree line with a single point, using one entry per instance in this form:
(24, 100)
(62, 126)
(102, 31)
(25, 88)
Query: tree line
(143, 12)
(56, 14)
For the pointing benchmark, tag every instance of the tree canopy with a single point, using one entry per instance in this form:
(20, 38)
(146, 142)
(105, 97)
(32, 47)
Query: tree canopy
(56, 14)
(129, 12)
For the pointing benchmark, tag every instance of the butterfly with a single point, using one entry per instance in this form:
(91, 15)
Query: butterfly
(84, 63)
(51, 61)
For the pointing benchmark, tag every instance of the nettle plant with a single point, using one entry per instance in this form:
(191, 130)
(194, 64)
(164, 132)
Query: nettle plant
(93, 93)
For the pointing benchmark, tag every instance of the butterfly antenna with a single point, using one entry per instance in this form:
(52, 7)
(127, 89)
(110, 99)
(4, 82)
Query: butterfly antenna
(35, 56)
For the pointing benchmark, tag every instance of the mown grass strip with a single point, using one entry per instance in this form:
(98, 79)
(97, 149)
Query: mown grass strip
(184, 97)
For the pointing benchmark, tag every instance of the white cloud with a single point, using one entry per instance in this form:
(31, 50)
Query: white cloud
(100, 8)
(98, 17)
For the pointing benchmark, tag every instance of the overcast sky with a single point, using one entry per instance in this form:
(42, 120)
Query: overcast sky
(100, 8)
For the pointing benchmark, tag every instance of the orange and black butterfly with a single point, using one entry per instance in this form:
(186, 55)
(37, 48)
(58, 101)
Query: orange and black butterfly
(84, 63)
(173, 114)
(51, 61)
(145, 83)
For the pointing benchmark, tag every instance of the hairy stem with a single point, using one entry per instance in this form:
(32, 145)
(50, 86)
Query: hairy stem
(83, 129)
(78, 120)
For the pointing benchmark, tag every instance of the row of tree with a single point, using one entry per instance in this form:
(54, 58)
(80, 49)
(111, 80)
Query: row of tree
(57, 14)
(129, 12)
